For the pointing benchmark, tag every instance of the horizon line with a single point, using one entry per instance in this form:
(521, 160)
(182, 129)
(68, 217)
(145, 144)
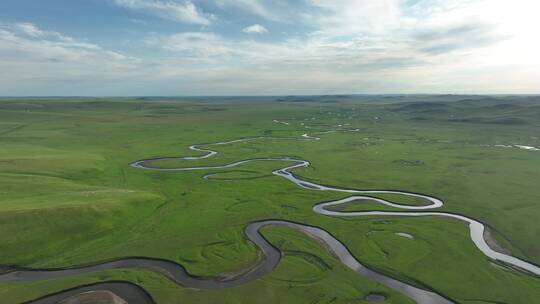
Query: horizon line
(265, 96)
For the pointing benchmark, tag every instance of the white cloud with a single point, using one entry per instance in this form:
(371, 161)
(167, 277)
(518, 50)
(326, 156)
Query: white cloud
(185, 11)
(255, 29)
(201, 45)
(254, 6)
(353, 17)
(341, 46)
(32, 57)
(30, 29)
(361, 47)
(311, 54)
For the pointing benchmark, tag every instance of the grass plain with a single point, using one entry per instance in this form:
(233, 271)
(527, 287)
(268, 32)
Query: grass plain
(68, 196)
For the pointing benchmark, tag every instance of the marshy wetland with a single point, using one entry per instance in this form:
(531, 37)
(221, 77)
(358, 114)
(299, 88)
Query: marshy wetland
(253, 213)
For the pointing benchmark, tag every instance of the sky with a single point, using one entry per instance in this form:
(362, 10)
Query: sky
(277, 47)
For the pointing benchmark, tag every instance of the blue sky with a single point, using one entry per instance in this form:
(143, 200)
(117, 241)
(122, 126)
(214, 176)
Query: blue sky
(256, 47)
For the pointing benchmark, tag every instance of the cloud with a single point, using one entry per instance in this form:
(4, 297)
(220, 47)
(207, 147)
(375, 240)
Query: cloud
(202, 48)
(321, 46)
(255, 29)
(353, 17)
(254, 6)
(200, 45)
(455, 37)
(419, 28)
(32, 57)
(185, 12)
(30, 29)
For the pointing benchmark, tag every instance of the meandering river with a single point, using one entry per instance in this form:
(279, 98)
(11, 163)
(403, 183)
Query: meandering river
(271, 256)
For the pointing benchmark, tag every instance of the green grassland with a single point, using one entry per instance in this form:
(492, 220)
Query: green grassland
(68, 196)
